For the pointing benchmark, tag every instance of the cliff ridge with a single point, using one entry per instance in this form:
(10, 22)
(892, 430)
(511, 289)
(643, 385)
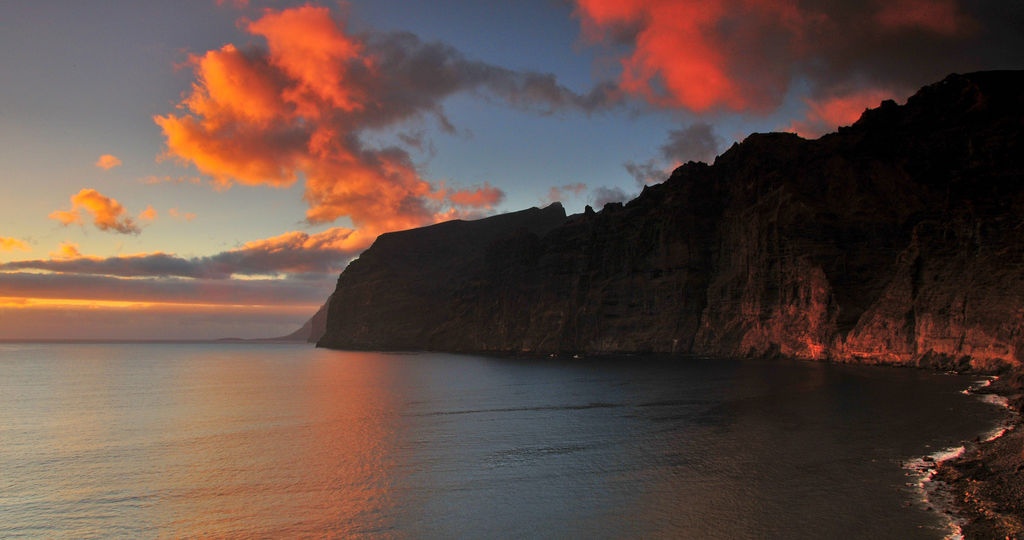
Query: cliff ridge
(898, 239)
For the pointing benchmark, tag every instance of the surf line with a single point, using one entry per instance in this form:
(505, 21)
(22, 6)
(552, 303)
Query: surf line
(923, 469)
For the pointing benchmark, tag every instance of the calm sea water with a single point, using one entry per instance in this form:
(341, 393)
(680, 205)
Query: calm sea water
(240, 440)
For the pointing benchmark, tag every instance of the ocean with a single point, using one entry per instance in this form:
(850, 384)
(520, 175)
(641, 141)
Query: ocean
(276, 440)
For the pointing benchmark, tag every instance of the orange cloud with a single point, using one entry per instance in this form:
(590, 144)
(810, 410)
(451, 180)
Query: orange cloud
(377, 189)
(107, 213)
(826, 114)
(486, 196)
(298, 110)
(149, 214)
(298, 251)
(744, 55)
(66, 217)
(316, 55)
(260, 118)
(66, 250)
(107, 162)
(10, 244)
(691, 54)
(178, 214)
(335, 238)
(238, 152)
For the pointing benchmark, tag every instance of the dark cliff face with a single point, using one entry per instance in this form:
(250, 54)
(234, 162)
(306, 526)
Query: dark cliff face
(899, 239)
(410, 289)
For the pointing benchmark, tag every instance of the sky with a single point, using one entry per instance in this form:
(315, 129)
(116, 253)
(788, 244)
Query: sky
(201, 169)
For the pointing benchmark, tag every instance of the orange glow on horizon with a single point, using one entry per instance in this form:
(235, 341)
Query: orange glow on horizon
(28, 303)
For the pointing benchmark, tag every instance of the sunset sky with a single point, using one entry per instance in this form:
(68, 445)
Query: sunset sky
(205, 168)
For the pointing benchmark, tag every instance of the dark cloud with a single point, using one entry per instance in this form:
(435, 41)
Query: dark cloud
(560, 193)
(647, 172)
(697, 142)
(604, 195)
(155, 264)
(412, 76)
(906, 44)
(295, 252)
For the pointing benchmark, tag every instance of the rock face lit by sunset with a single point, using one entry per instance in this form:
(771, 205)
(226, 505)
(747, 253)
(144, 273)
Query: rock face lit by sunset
(207, 170)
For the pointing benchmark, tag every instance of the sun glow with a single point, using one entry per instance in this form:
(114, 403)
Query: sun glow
(19, 302)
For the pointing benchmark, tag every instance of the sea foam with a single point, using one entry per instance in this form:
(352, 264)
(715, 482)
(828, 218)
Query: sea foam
(923, 469)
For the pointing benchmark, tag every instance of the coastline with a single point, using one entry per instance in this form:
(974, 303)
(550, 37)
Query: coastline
(983, 482)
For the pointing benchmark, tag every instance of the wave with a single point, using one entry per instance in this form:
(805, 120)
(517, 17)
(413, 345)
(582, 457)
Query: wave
(923, 469)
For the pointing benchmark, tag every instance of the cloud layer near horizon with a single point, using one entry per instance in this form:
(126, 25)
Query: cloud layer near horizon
(300, 107)
(46, 320)
(289, 275)
(227, 292)
(296, 253)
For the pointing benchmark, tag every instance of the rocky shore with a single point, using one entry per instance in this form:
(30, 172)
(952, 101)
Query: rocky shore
(985, 484)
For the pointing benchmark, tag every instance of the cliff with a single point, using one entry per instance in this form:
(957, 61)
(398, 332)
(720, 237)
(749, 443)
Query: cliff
(410, 289)
(899, 239)
(312, 330)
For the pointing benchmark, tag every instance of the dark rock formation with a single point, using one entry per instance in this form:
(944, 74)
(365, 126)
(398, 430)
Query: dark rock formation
(899, 239)
(986, 483)
(410, 290)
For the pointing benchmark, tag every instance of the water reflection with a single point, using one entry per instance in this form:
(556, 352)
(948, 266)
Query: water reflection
(350, 456)
(261, 441)
(280, 448)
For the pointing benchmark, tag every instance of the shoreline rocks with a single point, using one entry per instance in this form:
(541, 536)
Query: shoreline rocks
(986, 483)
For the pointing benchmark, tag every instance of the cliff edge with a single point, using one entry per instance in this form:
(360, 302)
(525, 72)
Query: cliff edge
(899, 239)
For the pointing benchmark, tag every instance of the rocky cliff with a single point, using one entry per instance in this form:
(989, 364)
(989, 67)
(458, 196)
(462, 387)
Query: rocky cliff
(899, 239)
(312, 330)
